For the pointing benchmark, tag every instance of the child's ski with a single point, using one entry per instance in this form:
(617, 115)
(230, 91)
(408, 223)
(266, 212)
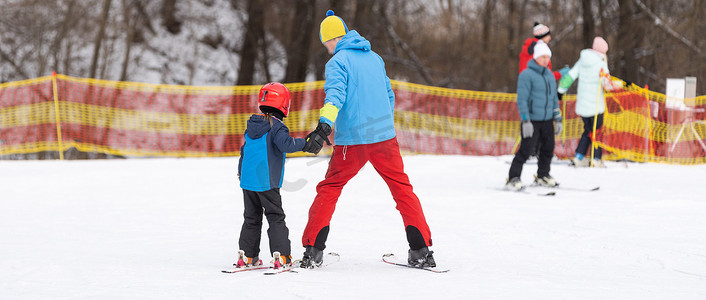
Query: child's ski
(281, 270)
(278, 265)
(243, 269)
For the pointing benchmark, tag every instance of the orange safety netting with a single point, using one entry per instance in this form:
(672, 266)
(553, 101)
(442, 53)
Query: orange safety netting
(138, 120)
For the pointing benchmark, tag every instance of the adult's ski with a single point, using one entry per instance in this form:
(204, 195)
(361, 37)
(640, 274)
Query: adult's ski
(568, 188)
(524, 190)
(390, 258)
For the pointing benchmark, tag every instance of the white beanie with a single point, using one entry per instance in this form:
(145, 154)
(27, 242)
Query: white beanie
(541, 49)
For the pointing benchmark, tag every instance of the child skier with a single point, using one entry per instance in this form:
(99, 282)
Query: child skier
(592, 68)
(261, 170)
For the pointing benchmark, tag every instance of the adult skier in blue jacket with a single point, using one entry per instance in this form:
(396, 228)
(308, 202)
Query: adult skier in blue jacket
(538, 105)
(359, 105)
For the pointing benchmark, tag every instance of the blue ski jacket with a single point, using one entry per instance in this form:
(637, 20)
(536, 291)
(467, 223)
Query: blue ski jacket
(358, 86)
(261, 165)
(536, 94)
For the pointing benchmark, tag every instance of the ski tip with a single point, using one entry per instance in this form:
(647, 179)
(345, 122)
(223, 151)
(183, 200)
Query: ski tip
(596, 188)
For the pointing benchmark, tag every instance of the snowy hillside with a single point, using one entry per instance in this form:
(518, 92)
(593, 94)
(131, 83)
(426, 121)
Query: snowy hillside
(164, 228)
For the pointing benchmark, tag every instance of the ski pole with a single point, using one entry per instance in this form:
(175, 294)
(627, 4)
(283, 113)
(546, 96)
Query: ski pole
(595, 118)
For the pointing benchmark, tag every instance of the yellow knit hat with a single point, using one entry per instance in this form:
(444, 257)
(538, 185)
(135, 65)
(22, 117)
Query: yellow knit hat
(332, 27)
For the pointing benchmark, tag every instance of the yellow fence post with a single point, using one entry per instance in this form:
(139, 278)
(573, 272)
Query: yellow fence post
(56, 114)
(563, 123)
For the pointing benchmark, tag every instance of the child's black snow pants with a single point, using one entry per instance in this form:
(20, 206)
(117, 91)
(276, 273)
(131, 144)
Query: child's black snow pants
(269, 203)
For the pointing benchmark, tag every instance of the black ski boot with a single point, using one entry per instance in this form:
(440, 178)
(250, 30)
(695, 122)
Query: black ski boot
(421, 258)
(312, 257)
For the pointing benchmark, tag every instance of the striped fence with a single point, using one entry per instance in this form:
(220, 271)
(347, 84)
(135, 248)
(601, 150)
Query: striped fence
(58, 113)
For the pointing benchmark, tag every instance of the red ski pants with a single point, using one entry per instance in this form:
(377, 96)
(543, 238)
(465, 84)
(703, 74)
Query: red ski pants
(345, 163)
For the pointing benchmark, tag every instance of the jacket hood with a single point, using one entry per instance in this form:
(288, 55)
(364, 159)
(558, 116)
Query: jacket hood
(353, 41)
(532, 64)
(257, 126)
(593, 54)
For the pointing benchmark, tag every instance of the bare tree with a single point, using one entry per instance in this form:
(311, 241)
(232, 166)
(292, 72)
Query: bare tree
(629, 34)
(169, 19)
(129, 23)
(301, 32)
(99, 38)
(589, 30)
(488, 9)
(254, 35)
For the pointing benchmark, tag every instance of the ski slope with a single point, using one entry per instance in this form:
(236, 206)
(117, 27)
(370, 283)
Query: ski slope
(165, 228)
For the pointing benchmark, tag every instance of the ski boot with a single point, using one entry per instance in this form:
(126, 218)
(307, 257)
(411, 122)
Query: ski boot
(546, 181)
(421, 258)
(579, 161)
(281, 261)
(514, 184)
(597, 163)
(244, 261)
(312, 258)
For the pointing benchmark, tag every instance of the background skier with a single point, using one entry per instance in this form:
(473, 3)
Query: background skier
(592, 69)
(539, 110)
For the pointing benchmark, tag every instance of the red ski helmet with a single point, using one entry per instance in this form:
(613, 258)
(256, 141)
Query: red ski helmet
(275, 95)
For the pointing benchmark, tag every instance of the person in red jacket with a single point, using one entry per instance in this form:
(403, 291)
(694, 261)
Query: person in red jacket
(542, 34)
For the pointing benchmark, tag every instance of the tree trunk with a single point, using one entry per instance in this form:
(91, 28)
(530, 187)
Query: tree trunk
(627, 41)
(362, 20)
(300, 41)
(66, 25)
(129, 35)
(589, 30)
(99, 38)
(254, 33)
(513, 44)
(604, 22)
(169, 20)
(486, 44)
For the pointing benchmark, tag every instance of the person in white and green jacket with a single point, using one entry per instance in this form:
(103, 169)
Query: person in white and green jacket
(592, 69)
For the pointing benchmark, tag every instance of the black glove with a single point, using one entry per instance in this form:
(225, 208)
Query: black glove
(560, 96)
(315, 140)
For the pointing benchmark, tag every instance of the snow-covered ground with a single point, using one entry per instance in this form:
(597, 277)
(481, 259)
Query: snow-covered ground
(164, 228)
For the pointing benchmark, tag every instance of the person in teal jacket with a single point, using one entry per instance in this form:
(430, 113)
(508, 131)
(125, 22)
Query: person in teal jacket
(359, 105)
(538, 105)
